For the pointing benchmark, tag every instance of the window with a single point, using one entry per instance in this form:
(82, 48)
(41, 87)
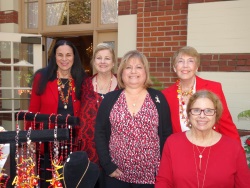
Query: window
(67, 12)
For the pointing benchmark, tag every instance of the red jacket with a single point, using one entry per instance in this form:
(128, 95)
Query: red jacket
(47, 103)
(225, 124)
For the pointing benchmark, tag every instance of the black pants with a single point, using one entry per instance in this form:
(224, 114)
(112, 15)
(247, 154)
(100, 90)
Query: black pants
(101, 180)
(114, 183)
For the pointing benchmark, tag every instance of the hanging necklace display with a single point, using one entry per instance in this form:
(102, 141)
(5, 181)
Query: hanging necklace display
(61, 86)
(25, 165)
(55, 160)
(104, 90)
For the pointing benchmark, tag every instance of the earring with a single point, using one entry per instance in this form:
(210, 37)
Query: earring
(214, 127)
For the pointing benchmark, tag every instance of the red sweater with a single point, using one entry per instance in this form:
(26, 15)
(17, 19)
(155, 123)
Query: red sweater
(226, 165)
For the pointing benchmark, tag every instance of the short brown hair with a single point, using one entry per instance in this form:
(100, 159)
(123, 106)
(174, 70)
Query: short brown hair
(209, 95)
(187, 50)
(124, 61)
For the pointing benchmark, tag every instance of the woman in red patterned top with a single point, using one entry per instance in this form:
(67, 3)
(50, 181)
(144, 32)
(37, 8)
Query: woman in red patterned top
(94, 90)
(132, 125)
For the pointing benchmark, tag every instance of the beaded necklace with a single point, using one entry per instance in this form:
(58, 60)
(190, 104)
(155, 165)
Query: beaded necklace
(182, 103)
(61, 86)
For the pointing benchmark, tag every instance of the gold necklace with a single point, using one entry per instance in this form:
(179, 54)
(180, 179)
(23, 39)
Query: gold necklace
(80, 178)
(200, 156)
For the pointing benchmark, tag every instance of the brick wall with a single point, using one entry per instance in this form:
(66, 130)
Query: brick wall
(10, 16)
(162, 29)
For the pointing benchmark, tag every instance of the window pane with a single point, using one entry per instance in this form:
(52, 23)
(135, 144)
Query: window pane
(109, 11)
(80, 12)
(6, 100)
(68, 12)
(5, 72)
(6, 121)
(5, 52)
(23, 54)
(23, 76)
(55, 12)
(31, 14)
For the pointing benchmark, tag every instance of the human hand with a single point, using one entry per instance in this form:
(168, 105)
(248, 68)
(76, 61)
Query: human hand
(116, 173)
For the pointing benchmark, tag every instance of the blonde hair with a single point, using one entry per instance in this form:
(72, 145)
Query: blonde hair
(129, 55)
(103, 46)
(186, 50)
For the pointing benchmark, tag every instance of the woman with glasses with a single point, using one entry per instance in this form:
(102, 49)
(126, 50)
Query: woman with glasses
(201, 157)
(186, 62)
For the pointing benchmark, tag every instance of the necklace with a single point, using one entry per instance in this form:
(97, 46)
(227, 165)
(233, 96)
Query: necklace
(182, 102)
(200, 155)
(61, 86)
(80, 178)
(136, 97)
(104, 88)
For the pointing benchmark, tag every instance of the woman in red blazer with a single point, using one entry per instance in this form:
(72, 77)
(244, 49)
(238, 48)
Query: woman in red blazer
(186, 62)
(57, 87)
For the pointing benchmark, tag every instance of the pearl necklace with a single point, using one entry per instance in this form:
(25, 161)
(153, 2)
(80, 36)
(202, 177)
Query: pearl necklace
(80, 178)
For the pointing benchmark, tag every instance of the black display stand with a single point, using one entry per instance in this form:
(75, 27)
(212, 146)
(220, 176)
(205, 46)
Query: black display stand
(44, 136)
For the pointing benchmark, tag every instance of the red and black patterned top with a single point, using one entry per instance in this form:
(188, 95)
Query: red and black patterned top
(90, 102)
(134, 141)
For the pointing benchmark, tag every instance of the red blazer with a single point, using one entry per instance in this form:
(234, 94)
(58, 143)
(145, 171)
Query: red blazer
(47, 103)
(225, 125)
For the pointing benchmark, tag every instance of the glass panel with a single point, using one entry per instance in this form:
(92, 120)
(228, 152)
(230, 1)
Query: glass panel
(22, 99)
(68, 12)
(6, 100)
(80, 12)
(5, 73)
(23, 76)
(5, 53)
(6, 121)
(55, 12)
(109, 11)
(31, 14)
(23, 54)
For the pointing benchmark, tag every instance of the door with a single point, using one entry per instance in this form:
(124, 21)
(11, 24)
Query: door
(20, 57)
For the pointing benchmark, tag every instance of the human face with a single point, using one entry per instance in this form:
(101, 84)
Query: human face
(134, 74)
(103, 61)
(64, 58)
(185, 67)
(202, 122)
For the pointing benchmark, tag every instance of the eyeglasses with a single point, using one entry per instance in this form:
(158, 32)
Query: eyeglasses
(206, 111)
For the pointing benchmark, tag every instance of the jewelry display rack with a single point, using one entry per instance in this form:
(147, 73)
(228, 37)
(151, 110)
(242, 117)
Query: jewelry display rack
(43, 136)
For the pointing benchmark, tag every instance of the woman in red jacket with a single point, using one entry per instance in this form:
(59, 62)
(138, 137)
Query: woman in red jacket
(57, 87)
(186, 62)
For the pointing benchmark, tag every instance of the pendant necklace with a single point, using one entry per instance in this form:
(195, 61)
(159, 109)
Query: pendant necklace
(96, 85)
(200, 157)
(61, 86)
